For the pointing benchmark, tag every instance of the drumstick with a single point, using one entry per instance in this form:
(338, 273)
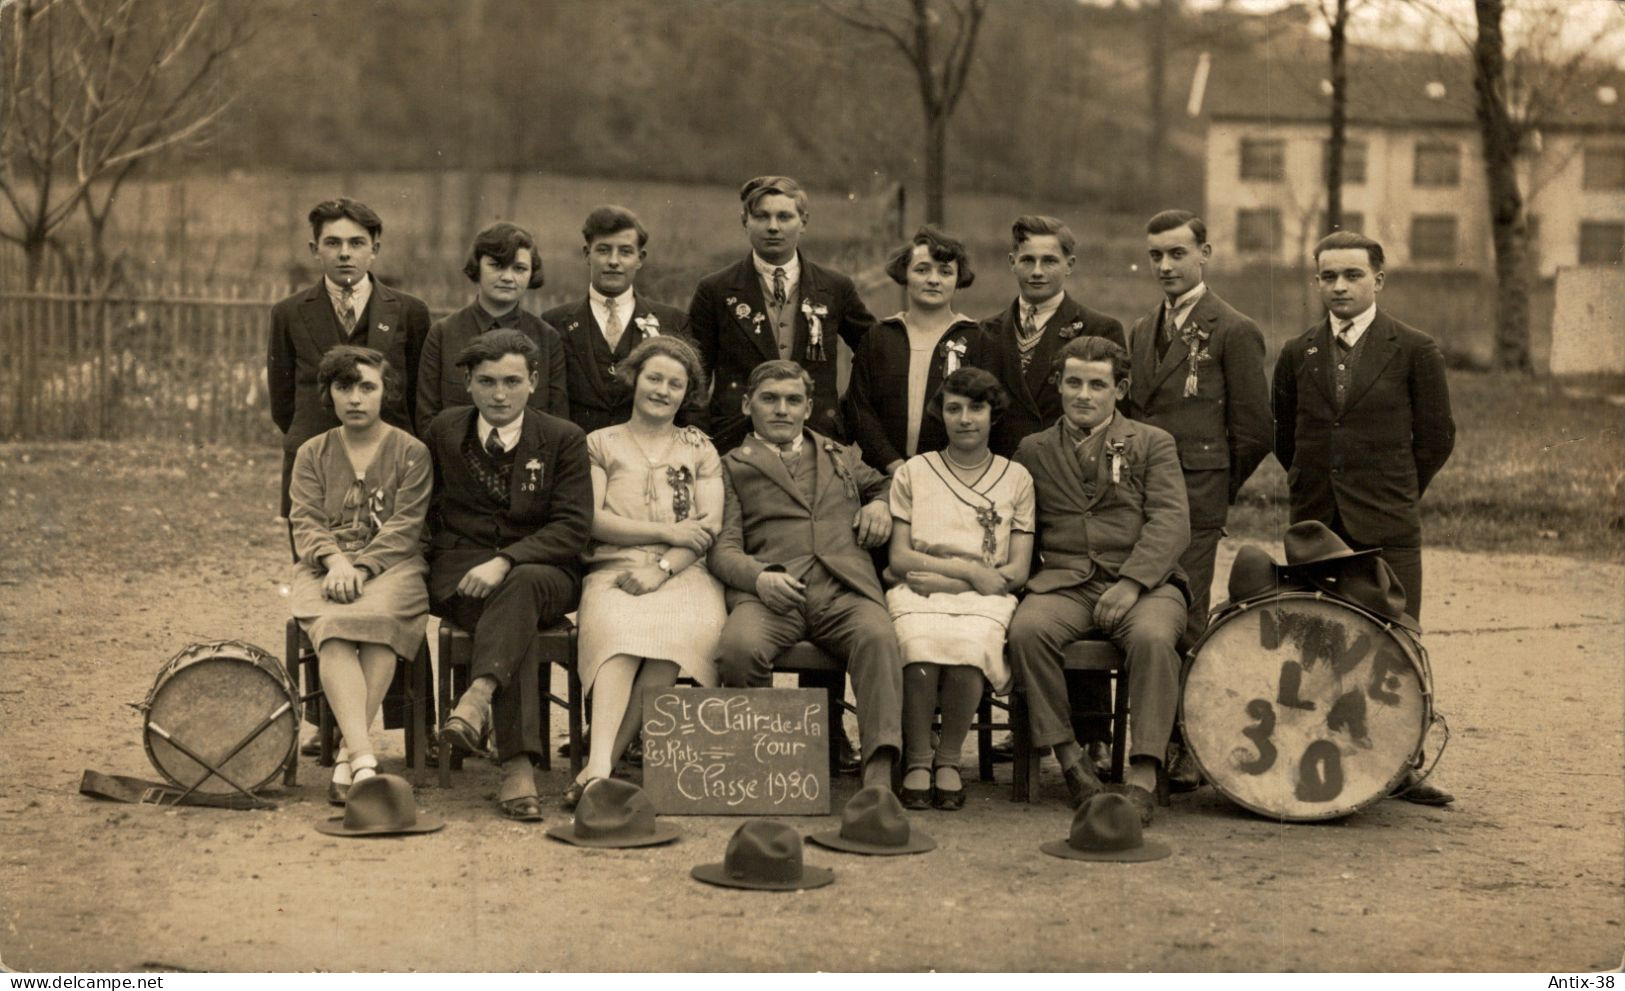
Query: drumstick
(213, 770)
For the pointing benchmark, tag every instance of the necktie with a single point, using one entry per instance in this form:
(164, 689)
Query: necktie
(1029, 320)
(1165, 332)
(788, 453)
(1345, 339)
(493, 445)
(612, 325)
(347, 309)
(779, 297)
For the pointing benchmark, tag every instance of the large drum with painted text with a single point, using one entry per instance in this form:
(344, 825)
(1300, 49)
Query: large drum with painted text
(233, 707)
(1303, 707)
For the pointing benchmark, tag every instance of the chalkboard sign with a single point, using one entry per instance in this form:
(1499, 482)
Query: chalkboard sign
(737, 751)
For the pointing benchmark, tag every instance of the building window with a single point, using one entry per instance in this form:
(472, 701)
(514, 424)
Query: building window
(1437, 164)
(1602, 242)
(1263, 159)
(1258, 231)
(1433, 238)
(1353, 161)
(1353, 220)
(1604, 168)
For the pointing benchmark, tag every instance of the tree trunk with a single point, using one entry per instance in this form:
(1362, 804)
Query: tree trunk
(936, 169)
(1339, 118)
(1156, 44)
(1508, 226)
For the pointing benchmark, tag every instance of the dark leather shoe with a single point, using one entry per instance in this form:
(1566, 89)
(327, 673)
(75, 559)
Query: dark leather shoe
(1003, 750)
(847, 761)
(1183, 775)
(1412, 788)
(634, 752)
(1081, 782)
(1142, 801)
(1099, 753)
(586, 740)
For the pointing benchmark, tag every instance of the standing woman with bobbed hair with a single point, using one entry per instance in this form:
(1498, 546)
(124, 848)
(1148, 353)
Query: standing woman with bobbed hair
(903, 360)
(650, 611)
(503, 264)
(961, 546)
(359, 493)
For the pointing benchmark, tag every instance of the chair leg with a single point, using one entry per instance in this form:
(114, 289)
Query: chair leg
(444, 708)
(1023, 765)
(1119, 724)
(544, 675)
(290, 653)
(573, 709)
(984, 737)
(417, 729)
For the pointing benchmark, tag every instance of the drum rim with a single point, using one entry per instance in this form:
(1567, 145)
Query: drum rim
(1419, 663)
(253, 655)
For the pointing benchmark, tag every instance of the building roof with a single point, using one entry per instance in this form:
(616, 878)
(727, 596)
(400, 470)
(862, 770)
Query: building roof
(1389, 88)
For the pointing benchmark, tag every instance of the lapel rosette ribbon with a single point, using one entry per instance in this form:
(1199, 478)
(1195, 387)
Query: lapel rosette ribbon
(815, 314)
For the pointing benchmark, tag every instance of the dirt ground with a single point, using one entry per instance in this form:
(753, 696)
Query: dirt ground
(1524, 873)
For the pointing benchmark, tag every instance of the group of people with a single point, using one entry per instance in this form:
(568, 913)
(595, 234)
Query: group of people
(695, 487)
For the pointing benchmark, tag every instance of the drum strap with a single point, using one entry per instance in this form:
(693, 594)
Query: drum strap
(135, 791)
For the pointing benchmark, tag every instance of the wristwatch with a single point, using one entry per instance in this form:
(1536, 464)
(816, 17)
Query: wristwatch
(664, 565)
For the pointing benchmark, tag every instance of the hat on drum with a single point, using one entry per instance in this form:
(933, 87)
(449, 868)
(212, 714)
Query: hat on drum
(1369, 583)
(1313, 542)
(1253, 574)
(381, 805)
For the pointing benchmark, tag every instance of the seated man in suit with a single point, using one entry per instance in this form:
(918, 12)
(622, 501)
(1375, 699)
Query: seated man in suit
(774, 304)
(510, 516)
(346, 306)
(1112, 523)
(1022, 340)
(801, 509)
(503, 263)
(602, 329)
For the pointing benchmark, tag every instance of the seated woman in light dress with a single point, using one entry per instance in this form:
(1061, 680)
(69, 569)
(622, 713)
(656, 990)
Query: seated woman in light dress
(961, 546)
(650, 611)
(360, 492)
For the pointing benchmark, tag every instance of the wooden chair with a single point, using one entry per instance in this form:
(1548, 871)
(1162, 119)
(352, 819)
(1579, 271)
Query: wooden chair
(299, 653)
(1092, 655)
(555, 645)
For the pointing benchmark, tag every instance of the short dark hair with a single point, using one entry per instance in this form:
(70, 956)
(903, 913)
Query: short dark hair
(1351, 239)
(1169, 220)
(339, 365)
(344, 208)
(678, 350)
(494, 345)
(975, 384)
(944, 248)
(757, 189)
(776, 370)
(1036, 225)
(1091, 348)
(606, 220)
(501, 243)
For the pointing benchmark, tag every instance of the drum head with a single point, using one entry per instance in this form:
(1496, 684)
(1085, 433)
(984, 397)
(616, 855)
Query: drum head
(209, 698)
(1303, 708)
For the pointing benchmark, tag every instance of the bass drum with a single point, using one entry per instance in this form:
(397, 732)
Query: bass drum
(1301, 707)
(210, 697)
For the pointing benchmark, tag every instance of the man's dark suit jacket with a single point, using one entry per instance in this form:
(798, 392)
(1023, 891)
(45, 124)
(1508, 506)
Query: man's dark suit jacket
(550, 513)
(731, 343)
(877, 397)
(1370, 463)
(442, 385)
(598, 398)
(1035, 401)
(1223, 431)
(304, 327)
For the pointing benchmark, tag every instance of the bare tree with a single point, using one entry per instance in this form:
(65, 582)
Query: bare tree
(1336, 13)
(939, 48)
(1159, 41)
(92, 89)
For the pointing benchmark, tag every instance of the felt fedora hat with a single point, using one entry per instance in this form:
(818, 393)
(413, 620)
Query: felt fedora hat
(764, 855)
(873, 823)
(614, 813)
(1312, 542)
(1368, 582)
(1106, 827)
(381, 805)
(1253, 574)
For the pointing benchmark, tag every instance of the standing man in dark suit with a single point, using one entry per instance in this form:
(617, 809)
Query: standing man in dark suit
(1363, 423)
(1362, 414)
(347, 306)
(1200, 376)
(801, 509)
(774, 304)
(503, 262)
(1022, 340)
(1112, 523)
(510, 516)
(602, 329)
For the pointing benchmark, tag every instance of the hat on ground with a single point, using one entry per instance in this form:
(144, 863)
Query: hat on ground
(1252, 575)
(381, 805)
(1313, 542)
(614, 813)
(873, 822)
(1106, 827)
(764, 855)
